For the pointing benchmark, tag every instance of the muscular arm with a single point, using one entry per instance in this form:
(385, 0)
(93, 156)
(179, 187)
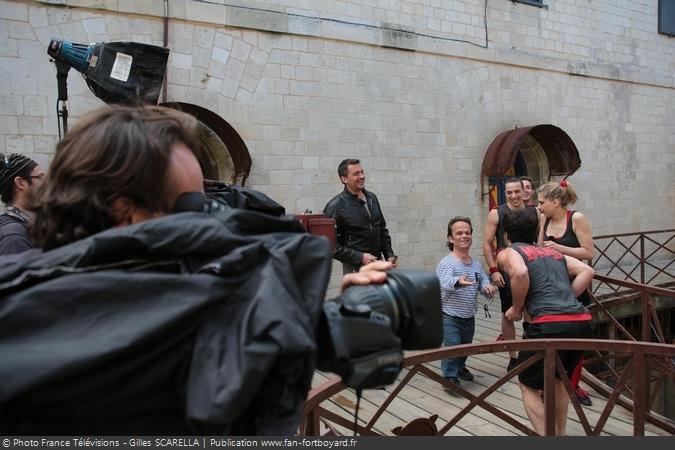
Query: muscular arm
(581, 274)
(490, 232)
(512, 263)
(489, 236)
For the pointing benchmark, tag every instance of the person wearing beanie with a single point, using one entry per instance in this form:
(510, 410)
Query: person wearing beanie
(19, 175)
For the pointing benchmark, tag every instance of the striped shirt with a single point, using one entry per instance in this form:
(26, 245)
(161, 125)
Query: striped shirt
(460, 301)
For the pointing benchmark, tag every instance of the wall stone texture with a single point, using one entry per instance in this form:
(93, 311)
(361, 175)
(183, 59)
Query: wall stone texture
(406, 86)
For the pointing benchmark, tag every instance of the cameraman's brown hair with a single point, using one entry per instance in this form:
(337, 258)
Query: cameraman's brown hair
(117, 151)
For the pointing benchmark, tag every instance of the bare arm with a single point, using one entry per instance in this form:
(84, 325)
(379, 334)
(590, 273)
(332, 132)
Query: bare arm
(580, 273)
(582, 229)
(540, 238)
(512, 263)
(488, 250)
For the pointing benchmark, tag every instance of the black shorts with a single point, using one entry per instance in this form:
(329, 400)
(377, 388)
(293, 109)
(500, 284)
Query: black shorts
(505, 292)
(533, 376)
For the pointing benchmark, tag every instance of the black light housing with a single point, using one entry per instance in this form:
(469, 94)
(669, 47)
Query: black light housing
(116, 72)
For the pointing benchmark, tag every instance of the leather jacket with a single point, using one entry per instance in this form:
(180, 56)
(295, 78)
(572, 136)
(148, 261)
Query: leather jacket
(357, 231)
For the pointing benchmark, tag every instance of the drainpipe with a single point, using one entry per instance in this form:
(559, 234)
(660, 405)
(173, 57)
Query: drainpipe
(166, 43)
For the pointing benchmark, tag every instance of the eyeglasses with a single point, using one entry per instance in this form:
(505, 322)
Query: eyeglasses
(33, 177)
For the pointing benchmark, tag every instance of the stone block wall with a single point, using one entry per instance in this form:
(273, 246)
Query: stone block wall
(403, 85)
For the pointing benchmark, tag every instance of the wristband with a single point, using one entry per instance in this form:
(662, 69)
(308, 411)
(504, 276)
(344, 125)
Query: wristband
(493, 270)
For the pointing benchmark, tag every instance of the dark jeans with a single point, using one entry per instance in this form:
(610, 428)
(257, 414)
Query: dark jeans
(456, 331)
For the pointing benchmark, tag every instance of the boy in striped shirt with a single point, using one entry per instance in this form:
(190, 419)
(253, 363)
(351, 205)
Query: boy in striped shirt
(461, 278)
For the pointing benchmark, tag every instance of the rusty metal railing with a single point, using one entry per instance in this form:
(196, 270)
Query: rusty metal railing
(643, 257)
(637, 367)
(645, 358)
(651, 329)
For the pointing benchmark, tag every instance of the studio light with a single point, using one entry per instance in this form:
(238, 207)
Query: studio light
(116, 72)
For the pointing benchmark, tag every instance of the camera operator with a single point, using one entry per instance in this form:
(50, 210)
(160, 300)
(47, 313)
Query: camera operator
(133, 321)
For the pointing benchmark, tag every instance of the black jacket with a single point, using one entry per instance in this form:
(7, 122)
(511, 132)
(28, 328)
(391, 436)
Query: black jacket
(13, 235)
(191, 323)
(358, 232)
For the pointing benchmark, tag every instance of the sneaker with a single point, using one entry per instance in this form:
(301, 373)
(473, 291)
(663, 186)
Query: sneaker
(464, 374)
(583, 398)
(454, 381)
(513, 362)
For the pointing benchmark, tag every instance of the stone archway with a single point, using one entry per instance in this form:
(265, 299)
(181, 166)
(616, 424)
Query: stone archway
(540, 151)
(227, 157)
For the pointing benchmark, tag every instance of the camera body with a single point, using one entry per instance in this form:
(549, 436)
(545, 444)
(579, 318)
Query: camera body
(363, 333)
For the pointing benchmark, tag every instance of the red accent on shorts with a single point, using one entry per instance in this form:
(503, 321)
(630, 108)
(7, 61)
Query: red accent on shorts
(563, 318)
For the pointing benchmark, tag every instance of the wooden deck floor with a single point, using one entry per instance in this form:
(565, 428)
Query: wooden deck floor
(423, 397)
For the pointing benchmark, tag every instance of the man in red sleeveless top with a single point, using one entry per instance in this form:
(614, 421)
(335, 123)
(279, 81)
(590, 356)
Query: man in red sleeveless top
(541, 287)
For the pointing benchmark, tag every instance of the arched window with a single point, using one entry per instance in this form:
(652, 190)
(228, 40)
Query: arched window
(227, 157)
(540, 151)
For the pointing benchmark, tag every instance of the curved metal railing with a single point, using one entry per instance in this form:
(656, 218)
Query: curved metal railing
(645, 359)
(637, 365)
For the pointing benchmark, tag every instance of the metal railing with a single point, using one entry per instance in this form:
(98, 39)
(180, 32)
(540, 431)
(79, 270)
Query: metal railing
(637, 371)
(642, 257)
(645, 359)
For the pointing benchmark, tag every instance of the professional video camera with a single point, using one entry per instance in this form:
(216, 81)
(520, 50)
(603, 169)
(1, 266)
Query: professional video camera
(363, 332)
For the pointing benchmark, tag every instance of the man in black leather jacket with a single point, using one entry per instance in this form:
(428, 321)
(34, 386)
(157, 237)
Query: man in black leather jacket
(362, 235)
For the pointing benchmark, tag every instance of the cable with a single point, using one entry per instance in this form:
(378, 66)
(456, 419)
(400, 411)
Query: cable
(365, 25)
(356, 411)
(58, 118)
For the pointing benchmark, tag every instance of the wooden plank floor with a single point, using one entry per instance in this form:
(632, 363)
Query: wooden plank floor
(423, 397)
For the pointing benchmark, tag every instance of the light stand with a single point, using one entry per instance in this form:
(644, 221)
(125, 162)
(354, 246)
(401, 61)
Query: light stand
(62, 70)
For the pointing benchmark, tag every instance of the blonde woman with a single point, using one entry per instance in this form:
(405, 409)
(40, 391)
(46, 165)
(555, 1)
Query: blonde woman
(568, 232)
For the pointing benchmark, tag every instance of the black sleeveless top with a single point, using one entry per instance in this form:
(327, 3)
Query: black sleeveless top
(569, 238)
(550, 290)
(501, 242)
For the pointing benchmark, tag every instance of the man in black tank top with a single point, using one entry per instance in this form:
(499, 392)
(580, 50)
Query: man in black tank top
(540, 285)
(494, 231)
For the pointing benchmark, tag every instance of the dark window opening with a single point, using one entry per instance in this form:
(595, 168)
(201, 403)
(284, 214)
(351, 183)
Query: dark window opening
(538, 3)
(667, 17)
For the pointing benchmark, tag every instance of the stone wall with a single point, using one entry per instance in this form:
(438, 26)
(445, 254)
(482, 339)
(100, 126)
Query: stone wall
(407, 86)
